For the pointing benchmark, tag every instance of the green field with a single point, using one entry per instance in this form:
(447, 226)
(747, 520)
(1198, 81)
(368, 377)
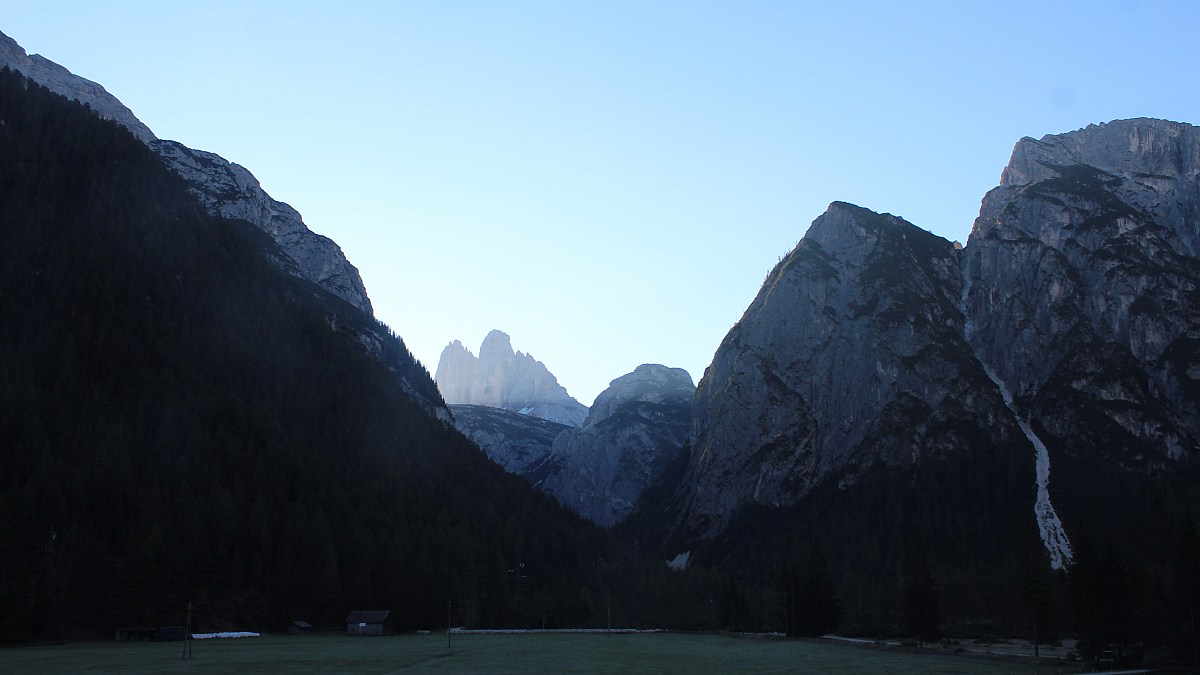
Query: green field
(532, 653)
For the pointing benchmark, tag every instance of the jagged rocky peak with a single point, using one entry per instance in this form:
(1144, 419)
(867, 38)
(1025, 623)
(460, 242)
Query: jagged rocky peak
(1083, 268)
(224, 188)
(61, 81)
(1147, 148)
(230, 190)
(503, 378)
(1143, 168)
(850, 355)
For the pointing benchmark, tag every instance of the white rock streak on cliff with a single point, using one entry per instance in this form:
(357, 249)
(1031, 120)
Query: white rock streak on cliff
(1054, 537)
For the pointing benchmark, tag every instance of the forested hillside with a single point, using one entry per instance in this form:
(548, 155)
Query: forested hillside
(181, 421)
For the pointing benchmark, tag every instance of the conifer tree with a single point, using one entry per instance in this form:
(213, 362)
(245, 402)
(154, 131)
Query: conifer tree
(817, 608)
(920, 610)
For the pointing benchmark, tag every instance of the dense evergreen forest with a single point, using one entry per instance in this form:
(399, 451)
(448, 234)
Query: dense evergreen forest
(935, 551)
(182, 421)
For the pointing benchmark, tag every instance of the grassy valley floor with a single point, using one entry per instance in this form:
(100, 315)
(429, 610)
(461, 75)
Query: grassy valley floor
(528, 653)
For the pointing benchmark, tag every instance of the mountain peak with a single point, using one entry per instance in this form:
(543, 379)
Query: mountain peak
(1151, 148)
(502, 378)
(61, 81)
(496, 341)
(224, 188)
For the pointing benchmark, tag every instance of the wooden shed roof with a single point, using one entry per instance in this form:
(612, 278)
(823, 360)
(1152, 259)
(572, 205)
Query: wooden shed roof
(368, 616)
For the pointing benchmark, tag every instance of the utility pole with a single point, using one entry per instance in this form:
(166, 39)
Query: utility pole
(610, 614)
(448, 624)
(187, 635)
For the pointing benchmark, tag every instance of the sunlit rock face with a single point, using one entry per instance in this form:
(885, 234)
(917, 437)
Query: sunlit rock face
(636, 427)
(502, 378)
(230, 190)
(62, 82)
(224, 188)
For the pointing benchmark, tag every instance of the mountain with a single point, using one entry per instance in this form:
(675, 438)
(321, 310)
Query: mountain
(230, 190)
(635, 428)
(502, 378)
(888, 391)
(186, 422)
(851, 355)
(224, 188)
(1082, 273)
(64, 83)
(519, 443)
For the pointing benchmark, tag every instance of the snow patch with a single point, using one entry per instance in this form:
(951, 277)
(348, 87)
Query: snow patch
(680, 562)
(539, 631)
(234, 634)
(1054, 537)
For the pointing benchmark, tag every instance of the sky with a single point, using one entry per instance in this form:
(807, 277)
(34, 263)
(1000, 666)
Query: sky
(609, 182)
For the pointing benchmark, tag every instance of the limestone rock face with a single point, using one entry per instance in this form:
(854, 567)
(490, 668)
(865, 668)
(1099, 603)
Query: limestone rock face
(852, 354)
(61, 81)
(1065, 334)
(519, 443)
(1083, 276)
(225, 188)
(636, 427)
(502, 378)
(230, 190)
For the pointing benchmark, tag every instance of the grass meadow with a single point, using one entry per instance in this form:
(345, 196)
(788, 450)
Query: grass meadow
(469, 653)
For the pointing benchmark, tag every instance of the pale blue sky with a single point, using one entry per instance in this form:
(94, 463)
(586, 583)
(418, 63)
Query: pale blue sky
(609, 182)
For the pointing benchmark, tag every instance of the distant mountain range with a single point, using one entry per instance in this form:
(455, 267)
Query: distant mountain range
(596, 462)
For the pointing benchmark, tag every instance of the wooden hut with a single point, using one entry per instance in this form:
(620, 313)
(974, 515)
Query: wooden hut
(135, 633)
(299, 628)
(366, 622)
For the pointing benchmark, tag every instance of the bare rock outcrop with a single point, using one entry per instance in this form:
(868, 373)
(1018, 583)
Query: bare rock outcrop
(636, 427)
(502, 378)
(225, 188)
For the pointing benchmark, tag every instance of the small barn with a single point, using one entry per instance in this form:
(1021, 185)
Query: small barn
(135, 633)
(170, 634)
(366, 622)
(299, 628)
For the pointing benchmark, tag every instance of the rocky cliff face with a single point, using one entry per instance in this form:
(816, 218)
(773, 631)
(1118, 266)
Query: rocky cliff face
(225, 188)
(852, 354)
(519, 443)
(230, 190)
(636, 427)
(1082, 276)
(62, 82)
(502, 378)
(1084, 260)
(1068, 329)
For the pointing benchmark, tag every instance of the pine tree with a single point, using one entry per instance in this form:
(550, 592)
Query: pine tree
(920, 610)
(817, 610)
(1185, 587)
(1035, 593)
